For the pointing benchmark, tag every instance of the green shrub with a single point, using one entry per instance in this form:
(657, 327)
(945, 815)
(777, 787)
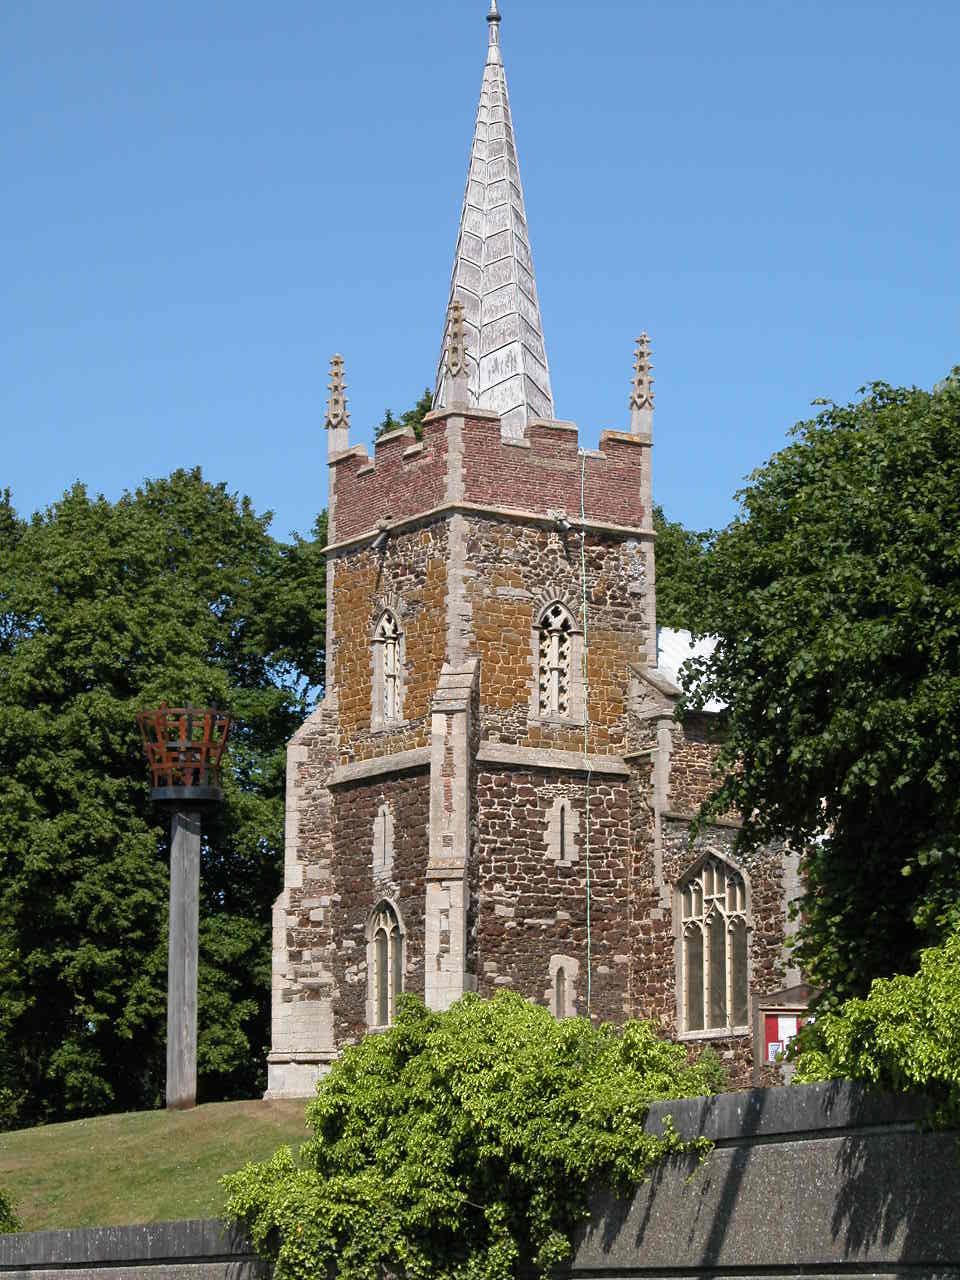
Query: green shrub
(461, 1145)
(904, 1036)
(8, 1217)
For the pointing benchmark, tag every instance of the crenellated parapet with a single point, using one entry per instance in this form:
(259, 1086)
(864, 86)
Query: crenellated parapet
(465, 461)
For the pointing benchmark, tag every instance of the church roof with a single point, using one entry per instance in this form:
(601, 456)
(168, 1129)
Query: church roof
(507, 368)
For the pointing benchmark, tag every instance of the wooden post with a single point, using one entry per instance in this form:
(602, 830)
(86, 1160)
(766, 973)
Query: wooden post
(183, 959)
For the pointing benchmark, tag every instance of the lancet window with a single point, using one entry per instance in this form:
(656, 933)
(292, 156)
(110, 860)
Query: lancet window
(384, 965)
(560, 992)
(387, 670)
(555, 668)
(714, 958)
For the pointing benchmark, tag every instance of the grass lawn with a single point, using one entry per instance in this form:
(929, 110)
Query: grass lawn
(146, 1166)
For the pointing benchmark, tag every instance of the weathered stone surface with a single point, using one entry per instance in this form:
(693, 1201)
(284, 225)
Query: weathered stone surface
(192, 1250)
(827, 1179)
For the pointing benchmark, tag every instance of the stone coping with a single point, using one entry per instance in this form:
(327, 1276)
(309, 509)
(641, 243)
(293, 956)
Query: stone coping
(787, 1112)
(547, 758)
(155, 1244)
(418, 758)
(497, 753)
(514, 514)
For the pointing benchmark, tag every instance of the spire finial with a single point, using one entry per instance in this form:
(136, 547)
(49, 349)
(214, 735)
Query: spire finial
(338, 415)
(641, 396)
(494, 19)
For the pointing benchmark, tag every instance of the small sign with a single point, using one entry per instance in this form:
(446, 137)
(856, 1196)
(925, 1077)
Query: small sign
(773, 1048)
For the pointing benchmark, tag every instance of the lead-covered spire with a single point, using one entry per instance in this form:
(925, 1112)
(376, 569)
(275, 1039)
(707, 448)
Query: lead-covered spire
(507, 368)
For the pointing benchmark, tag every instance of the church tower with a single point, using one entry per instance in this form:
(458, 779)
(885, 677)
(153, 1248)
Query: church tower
(481, 800)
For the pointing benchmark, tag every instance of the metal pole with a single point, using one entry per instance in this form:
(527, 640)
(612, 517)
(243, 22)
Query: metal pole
(182, 971)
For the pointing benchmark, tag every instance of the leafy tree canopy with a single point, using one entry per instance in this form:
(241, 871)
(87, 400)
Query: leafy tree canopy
(460, 1145)
(836, 598)
(9, 1221)
(174, 593)
(411, 418)
(681, 556)
(902, 1037)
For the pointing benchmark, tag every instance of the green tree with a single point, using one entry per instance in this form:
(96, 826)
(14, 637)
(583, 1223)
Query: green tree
(836, 598)
(902, 1037)
(9, 1221)
(462, 1145)
(176, 592)
(681, 557)
(411, 418)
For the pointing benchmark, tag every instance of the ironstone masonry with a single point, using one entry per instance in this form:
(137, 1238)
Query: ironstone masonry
(494, 792)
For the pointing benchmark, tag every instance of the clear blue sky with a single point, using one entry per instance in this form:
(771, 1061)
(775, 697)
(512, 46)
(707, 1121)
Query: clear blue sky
(203, 200)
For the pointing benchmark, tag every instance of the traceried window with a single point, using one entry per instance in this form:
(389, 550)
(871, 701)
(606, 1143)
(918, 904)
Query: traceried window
(387, 669)
(384, 965)
(714, 948)
(556, 628)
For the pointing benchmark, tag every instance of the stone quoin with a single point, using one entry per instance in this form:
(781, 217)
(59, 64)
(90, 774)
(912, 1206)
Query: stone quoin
(494, 792)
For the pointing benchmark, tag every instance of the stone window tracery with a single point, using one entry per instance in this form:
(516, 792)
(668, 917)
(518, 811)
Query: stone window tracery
(556, 628)
(714, 950)
(384, 965)
(387, 670)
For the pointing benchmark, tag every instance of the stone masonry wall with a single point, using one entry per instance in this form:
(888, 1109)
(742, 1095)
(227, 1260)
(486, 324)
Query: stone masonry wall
(514, 570)
(359, 889)
(695, 746)
(533, 908)
(410, 577)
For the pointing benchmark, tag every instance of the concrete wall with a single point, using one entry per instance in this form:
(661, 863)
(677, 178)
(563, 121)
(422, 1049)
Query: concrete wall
(823, 1180)
(162, 1251)
(826, 1181)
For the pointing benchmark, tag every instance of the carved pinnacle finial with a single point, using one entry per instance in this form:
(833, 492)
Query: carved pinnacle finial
(456, 343)
(494, 14)
(641, 396)
(338, 415)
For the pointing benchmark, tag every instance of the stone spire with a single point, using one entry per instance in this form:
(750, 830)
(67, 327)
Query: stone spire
(338, 416)
(641, 396)
(493, 270)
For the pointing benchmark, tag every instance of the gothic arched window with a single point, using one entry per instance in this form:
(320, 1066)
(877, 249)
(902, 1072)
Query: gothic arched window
(714, 965)
(384, 965)
(387, 670)
(556, 629)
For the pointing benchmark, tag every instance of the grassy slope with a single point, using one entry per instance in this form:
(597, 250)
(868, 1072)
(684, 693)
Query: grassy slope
(147, 1166)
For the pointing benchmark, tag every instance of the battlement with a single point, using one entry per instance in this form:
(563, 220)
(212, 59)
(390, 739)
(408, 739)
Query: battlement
(464, 460)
